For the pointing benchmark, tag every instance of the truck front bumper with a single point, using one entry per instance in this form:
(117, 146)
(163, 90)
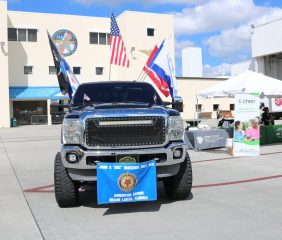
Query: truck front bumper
(84, 169)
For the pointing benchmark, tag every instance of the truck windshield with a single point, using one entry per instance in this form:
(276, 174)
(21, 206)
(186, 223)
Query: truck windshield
(116, 92)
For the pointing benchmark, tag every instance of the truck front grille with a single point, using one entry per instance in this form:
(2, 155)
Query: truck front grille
(124, 131)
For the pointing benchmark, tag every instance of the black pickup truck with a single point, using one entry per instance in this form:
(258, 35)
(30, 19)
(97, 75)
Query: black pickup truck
(121, 122)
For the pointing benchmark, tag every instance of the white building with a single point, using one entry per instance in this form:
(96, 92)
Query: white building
(192, 64)
(29, 86)
(266, 51)
(28, 81)
(240, 67)
(267, 48)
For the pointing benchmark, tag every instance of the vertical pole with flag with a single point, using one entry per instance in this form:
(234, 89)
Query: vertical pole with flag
(66, 79)
(118, 51)
(160, 70)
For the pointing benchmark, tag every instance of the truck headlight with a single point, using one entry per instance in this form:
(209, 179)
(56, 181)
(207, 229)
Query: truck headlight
(175, 128)
(71, 131)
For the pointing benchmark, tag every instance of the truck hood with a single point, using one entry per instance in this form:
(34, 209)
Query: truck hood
(121, 112)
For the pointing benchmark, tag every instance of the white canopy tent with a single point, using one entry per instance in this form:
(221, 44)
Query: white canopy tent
(246, 82)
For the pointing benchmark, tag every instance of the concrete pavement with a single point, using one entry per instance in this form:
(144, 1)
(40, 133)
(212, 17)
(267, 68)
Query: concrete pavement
(225, 204)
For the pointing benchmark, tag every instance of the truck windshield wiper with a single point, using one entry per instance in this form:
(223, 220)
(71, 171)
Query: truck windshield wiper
(120, 103)
(82, 105)
(101, 104)
(131, 102)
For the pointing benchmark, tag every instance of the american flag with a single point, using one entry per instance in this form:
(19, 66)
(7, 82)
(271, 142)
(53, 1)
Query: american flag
(118, 51)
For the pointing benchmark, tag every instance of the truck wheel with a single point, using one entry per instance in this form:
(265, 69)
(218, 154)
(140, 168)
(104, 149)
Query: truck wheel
(66, 190)
(179, 186)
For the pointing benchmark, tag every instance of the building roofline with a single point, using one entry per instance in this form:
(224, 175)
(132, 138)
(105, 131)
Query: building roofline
(266, 23)
(86, 16)
(141, 12)
(248, 60)
(48, 13)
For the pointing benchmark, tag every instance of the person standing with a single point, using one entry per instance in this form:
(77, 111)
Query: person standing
(266, 118)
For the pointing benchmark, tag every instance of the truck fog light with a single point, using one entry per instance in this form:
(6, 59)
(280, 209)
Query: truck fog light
(177, 153)
(72, 157)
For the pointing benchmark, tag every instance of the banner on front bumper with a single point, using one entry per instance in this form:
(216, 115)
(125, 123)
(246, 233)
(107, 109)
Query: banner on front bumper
(126, 182)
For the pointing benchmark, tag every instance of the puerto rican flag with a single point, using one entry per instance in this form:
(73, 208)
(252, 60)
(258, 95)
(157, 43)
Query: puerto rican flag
(160, 70)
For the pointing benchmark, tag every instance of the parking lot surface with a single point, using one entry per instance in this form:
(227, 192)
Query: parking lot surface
(232, 198)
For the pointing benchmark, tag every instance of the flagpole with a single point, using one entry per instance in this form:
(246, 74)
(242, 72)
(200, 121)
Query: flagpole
(145, 73)
(110, 72)
(141, 75)
(110, 69)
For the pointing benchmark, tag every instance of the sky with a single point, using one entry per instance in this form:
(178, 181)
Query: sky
(220, 27)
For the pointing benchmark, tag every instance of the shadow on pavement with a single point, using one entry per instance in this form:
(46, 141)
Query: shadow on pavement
(89, 199)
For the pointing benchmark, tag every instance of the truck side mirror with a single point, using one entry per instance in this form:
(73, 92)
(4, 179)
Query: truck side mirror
(177, 103)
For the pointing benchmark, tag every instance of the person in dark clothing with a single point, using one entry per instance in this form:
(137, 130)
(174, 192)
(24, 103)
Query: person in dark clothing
(266, 118)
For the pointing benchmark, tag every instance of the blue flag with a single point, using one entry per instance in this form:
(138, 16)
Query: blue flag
(126, 182)
(66, 79)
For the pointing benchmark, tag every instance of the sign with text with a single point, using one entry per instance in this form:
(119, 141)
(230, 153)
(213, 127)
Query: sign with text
(126, 182)
(246, 126)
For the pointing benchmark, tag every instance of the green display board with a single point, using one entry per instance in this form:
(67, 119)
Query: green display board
(270, 134)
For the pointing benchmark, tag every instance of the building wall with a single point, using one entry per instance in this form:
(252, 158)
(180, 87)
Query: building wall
(188, 88)
(240, 67)
(4, 87)
(267, 38)
(192, 65)
(133, 27)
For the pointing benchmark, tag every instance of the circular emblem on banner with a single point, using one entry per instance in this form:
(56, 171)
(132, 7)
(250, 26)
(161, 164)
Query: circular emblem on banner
(65, 41)
(278, 102)
(127, 182)
(127, 159)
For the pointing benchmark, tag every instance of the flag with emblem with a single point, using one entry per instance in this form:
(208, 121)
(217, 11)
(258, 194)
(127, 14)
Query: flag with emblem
(118, 50)
(66, 79)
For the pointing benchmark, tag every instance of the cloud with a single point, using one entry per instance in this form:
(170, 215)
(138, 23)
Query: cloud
(223, 69)
(234, 44)
(215, 15)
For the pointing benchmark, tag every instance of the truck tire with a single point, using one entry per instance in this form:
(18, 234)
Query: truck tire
(179, 187)
(66, 190)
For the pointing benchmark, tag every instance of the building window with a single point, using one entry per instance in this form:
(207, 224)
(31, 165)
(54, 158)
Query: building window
(76, 70)
(52, 70)
(102, 38)
(232, 107)
(215, 107)
(99, 70)
(198, 107)
(93, 38)
(150, 32)
(28, 69)
(99, 38)
(22, 34)
(32, 35)
(12, 34)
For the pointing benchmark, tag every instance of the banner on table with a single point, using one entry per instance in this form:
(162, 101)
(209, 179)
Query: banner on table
(246, 125)
(126, 182)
